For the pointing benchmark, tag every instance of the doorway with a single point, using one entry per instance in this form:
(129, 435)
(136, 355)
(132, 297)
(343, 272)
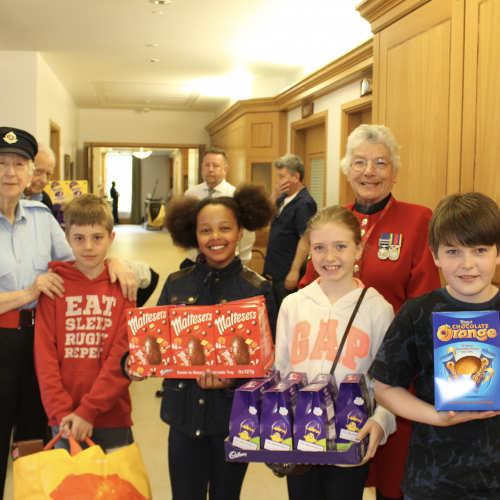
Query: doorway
(308, 142)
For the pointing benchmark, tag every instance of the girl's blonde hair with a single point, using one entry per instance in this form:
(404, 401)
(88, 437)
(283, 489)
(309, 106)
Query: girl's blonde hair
(336, 214)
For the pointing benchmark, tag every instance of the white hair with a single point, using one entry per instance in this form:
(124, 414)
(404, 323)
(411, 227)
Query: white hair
(42, 148)
(376, 134)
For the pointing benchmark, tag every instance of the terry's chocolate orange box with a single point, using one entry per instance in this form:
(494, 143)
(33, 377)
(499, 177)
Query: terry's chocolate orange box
(192, 336)
(149, 340)
(466, 352)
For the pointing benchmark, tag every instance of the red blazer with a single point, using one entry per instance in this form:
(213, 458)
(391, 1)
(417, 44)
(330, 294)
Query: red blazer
(414, 273)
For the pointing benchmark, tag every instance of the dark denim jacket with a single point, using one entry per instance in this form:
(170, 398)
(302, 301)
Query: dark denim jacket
(185, 405)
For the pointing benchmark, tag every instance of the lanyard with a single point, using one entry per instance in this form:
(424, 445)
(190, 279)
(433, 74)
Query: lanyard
(384, 211)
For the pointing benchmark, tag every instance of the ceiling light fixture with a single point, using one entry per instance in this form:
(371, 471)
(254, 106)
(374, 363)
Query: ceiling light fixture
(152, 60)
(152, 45)
(142, 154)
(157, 12)
(160, 2)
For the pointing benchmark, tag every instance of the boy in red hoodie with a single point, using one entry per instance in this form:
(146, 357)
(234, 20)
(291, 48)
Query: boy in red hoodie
(80, 338)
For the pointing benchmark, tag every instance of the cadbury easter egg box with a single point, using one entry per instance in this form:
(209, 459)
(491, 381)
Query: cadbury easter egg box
(466, 355)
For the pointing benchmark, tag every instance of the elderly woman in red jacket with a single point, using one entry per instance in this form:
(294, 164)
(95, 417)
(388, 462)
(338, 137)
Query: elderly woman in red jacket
(396, 261)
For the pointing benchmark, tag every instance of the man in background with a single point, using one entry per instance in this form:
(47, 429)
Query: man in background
(213, 170)
(287, 249)
(45, 163)
(114, 196)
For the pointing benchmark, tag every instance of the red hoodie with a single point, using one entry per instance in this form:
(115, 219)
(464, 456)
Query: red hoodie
(79, 340)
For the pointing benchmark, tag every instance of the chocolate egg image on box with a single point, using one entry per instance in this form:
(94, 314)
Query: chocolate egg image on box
(241, 352)
(152, 349)
(196, 352)
(467, 365)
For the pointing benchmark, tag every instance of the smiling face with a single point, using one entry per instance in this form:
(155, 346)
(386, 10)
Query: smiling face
(372, 185)
(218, 235)
(213, 169)
(90, 244)
(44, 168)
(469, 271)
(14, 175)
(333, 254)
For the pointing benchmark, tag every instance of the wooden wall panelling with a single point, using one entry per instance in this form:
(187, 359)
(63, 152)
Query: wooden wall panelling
(353, 114)
(308, 141)
(481, 127)
(420, 56)
(232, 139)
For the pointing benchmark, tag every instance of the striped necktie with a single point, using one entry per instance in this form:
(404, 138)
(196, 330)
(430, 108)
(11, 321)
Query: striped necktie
(210, 192)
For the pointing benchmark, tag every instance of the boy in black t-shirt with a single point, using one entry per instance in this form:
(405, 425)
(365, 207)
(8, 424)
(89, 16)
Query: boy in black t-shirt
(452, 455)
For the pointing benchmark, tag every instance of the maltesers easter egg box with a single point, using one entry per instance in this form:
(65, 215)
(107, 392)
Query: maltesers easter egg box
(233, 339)
(192, 337)
(149, 340)
(466, 354)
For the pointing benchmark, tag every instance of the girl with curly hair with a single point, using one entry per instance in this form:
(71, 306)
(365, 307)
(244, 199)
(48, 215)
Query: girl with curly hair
(198, 410)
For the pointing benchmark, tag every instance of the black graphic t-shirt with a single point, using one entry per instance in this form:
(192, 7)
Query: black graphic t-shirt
(448, 463)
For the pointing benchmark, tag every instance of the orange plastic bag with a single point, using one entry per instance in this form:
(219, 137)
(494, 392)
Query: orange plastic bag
(84, 475)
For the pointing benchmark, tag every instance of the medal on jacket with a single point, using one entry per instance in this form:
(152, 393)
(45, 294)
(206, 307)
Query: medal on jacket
(383, 246)
(390, 246)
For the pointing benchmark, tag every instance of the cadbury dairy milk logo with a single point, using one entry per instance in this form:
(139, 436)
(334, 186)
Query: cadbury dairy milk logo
(466, 330)
(139, 321)
(225, 322)
(182, 323)
(236, 454)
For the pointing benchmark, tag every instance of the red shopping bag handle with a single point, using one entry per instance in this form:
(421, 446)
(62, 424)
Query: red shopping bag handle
(74, 445)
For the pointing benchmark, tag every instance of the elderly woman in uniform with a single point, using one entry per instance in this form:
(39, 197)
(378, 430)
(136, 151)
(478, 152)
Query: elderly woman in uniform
(396, 261)
(29, 239)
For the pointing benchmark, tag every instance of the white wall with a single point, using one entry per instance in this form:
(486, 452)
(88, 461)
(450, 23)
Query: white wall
(18, 90)
(54, 103)
(331, 102)
(161, 127)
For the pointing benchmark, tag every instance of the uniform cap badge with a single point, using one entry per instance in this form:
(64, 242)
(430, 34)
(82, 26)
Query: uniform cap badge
(10, 138)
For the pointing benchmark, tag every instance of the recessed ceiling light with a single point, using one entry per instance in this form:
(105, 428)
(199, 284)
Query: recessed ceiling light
(151, 45)
(152, 60)
(157, 12)
(160, 2)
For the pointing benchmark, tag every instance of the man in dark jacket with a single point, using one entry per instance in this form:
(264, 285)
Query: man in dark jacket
(287, 249)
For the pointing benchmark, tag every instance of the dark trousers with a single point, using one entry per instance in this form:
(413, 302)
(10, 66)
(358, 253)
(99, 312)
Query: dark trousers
(198, 465)
(115, 210)
(339, 483)
(21, 407)
(280, 292)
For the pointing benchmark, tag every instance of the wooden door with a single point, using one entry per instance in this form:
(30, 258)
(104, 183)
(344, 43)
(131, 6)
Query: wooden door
(481, 117)
(418, 83)
(353, 114)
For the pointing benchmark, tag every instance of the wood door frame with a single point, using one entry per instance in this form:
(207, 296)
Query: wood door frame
(55, 145)
(297, 139)
(88, 164)
(348, 109)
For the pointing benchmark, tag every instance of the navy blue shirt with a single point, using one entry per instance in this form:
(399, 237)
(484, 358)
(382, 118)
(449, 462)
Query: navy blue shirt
(458, 462)
(286, 230)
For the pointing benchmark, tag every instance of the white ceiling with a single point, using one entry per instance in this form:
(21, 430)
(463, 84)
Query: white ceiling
(209, 51)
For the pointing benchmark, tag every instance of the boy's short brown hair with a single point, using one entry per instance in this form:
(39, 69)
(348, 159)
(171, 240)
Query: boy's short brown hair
(469, 219)
(87, 210)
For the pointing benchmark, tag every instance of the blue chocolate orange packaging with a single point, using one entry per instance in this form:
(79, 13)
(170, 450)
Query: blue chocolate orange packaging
(466, 353)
